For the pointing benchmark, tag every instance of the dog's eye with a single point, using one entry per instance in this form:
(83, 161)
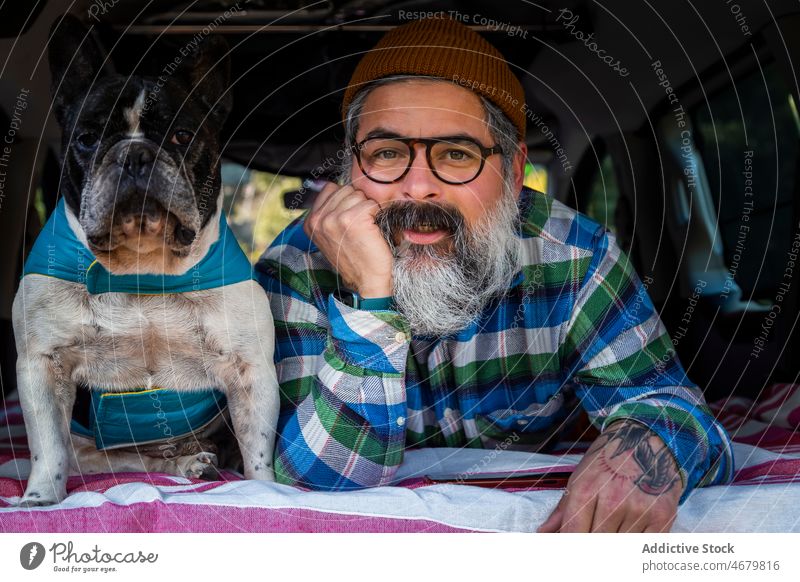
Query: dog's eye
(182, 137)
(88, 140)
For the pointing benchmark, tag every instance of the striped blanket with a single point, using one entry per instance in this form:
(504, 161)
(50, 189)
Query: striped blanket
(763, 497)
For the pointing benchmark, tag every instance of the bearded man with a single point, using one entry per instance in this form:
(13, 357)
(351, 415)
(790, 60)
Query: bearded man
(429, 299)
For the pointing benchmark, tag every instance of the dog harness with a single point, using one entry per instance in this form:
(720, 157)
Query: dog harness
(150, 414)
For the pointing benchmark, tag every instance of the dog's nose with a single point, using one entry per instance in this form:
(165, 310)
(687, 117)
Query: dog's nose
(137, 160)
(142, 218)
(133, 225)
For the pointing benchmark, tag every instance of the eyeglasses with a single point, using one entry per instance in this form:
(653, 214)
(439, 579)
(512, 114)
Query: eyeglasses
(453, 160)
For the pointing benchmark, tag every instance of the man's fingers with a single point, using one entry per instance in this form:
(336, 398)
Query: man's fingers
(634, 524)
(659, 526)
(578, 513)
(324, 195)
(607, 521)
(327, 203)
(332, 204)
(639, 521)
(345, 214)
(361, 203)
(647, 521)
(652, 529)
(552, 523)
(312, 220)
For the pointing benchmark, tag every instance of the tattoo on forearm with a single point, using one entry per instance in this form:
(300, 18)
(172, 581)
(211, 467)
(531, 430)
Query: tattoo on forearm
(658, 473)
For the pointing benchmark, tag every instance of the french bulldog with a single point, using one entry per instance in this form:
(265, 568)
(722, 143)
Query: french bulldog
(140, 203)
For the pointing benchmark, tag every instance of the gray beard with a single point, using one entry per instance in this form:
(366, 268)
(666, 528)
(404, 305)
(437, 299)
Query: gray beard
(441, 293)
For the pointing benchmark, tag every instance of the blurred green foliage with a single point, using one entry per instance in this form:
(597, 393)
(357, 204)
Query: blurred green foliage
(254, 204)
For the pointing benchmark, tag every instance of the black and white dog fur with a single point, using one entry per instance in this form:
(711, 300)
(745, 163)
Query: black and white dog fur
(141, 182)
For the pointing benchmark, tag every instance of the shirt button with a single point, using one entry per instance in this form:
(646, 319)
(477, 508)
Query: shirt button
(401, 420)
(400, 337)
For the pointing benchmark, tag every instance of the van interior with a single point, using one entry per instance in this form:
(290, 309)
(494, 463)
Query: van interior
(672, 122)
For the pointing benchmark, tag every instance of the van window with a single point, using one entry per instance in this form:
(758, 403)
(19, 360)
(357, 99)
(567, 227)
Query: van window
(536, 177)
(601, 200)
(253, 201)
(751, 169)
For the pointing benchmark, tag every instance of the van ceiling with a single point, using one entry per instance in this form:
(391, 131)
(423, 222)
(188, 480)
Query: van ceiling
(292, 58)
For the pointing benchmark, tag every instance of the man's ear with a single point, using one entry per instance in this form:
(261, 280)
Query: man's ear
(520, 158)
(206, 72)
(75, 61)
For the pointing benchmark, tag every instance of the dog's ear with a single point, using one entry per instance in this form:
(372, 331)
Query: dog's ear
(207, 72)
(75, 61)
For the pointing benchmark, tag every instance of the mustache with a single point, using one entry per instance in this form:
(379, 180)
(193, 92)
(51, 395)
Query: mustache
(399, 216)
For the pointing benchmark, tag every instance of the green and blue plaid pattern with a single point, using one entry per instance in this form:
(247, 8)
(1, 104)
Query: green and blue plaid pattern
(575, 328)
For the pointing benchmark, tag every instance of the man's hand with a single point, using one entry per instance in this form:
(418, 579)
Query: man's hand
(342, 225)
(627, 481)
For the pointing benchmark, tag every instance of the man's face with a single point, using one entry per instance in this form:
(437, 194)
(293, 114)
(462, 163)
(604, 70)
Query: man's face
(425, 108)
(455, 245)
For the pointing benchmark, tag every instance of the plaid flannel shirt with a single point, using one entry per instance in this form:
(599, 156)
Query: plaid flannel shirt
(576, 326)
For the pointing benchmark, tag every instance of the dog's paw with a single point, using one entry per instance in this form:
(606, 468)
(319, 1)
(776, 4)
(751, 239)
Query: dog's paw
(36, 499)
(200, 466)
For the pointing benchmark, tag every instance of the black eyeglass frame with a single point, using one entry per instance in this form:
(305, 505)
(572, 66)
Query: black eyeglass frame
(429, 143)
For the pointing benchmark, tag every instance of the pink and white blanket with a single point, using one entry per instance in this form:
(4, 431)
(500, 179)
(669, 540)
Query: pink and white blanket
(763, 497)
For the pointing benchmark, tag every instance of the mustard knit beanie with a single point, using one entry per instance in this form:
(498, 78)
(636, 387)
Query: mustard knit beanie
(444, 48)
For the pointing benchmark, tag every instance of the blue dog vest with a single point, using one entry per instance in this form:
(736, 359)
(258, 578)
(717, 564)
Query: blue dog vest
(119, 419)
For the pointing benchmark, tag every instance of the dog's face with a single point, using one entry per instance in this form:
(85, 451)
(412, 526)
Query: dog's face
(141, 168)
